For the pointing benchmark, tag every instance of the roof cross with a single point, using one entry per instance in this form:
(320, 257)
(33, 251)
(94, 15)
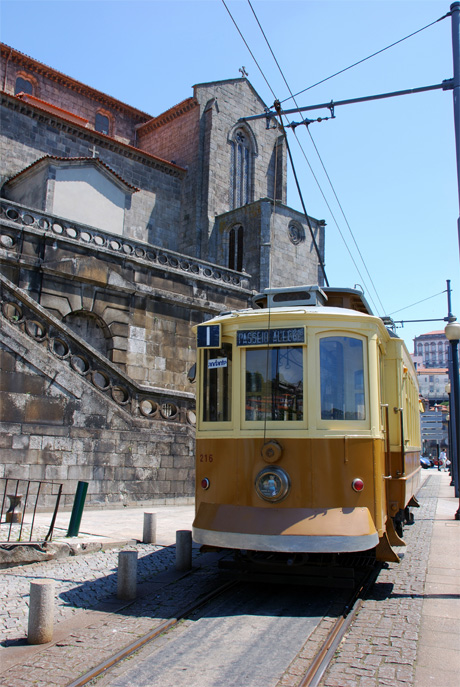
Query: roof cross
(93, 151)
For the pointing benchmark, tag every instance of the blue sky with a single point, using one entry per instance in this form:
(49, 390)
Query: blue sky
(391, 162)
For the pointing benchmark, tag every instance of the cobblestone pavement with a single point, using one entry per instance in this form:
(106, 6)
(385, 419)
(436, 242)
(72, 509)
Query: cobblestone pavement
(381, 645)
(95, 641)
(80, 583)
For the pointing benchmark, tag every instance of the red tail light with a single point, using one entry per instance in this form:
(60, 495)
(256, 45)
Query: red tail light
(205, 483)
(357, 484)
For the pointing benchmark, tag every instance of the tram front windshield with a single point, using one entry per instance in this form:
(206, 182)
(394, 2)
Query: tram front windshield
(274, 384)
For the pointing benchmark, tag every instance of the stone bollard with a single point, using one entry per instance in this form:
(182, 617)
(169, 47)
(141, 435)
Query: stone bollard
(150, 528)
(127, 575)
(41, 612)
(183, 550)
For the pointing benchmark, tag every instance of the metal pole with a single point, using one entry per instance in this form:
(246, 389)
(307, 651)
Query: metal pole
(456, 392)
(455, 14)
(77, 510)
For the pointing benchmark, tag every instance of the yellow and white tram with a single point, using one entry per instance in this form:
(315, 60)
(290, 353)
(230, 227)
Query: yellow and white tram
(308, 433)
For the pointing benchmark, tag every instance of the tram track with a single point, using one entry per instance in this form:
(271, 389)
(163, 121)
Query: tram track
(326, 652)
(192, 612)
(160, 629)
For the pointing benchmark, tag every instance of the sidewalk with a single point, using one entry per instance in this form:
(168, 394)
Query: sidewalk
(438, 651)
(99, 530)
(122, 525)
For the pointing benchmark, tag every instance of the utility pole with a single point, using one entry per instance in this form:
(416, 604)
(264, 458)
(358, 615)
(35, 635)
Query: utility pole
(453, 329)
(455, 16)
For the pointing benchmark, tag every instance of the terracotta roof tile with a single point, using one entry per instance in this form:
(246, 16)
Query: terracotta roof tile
(92, 160)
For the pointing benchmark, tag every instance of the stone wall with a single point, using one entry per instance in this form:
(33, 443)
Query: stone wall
(120, 416)
(277, 244)
(55, 426)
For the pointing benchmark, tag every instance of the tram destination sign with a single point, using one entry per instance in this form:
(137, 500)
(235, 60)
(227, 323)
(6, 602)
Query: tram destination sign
(260, 337)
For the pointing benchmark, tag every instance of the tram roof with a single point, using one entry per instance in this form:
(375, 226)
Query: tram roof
(313, 295)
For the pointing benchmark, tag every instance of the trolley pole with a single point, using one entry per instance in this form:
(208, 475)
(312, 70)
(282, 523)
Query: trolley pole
(455, 16)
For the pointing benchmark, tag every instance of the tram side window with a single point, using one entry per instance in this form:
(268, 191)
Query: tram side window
(217, 384)
(342, 378)
(274, 383)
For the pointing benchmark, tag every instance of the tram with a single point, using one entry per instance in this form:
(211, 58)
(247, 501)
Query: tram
(308, 428)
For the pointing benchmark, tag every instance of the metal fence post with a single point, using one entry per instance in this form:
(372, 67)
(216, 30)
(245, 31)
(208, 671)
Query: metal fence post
(77, 509)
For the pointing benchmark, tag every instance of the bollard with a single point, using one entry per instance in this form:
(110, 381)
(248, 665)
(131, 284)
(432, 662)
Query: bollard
(150, 528)
(183, 550)
(127, 575)
(77, 509)
(41, 612)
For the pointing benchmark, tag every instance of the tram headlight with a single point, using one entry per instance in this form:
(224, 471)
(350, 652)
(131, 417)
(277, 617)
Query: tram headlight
(272, 484)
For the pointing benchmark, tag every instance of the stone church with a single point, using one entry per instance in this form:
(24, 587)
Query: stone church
(119, 231)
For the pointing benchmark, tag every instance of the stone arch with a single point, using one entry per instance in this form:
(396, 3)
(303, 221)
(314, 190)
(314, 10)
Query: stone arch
(92, 329)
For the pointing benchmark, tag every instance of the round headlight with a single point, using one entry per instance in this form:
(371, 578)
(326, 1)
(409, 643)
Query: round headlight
(272, 484)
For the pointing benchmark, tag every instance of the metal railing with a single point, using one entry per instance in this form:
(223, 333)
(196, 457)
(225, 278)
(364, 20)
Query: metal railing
(17, 518)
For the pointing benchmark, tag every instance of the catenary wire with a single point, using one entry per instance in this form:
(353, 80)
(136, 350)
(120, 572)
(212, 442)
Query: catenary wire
(250, 51)
(348, 225)
(338, 227)
(418, 302)
(355, 64)
(327, 176)
(287, 144)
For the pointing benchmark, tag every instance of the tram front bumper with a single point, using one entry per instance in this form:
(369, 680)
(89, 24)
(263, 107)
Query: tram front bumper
(320, 530)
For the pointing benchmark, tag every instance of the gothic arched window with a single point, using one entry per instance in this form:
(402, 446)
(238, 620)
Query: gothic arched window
(235, 248)
(240, 182)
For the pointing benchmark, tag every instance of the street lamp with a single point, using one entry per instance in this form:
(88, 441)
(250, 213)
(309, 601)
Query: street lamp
(452, 332)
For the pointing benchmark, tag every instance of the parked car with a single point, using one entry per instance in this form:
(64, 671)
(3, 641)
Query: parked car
(425, 462)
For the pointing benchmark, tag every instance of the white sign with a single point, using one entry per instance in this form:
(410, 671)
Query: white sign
(217, 362)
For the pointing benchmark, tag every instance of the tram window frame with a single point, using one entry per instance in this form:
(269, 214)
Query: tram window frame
(288, 422)
(362, 389)
(216, 386)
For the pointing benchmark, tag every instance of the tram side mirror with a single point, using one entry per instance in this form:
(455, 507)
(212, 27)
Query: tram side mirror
(191, 374)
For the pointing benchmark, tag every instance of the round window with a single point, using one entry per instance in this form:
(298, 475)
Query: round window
(296, 234)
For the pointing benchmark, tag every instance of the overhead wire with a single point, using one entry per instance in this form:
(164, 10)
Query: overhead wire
(327, 176)
(293, 96)
(320, 259)
(355, 64)
(418, 302)
(250, 51)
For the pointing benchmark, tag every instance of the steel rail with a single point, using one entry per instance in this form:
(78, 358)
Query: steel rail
(150, 636)
(324, 656)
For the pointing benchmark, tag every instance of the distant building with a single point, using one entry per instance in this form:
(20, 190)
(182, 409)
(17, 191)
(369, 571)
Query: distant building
(432, 384)
(434, 431)
(432, 348)
(431, 356)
